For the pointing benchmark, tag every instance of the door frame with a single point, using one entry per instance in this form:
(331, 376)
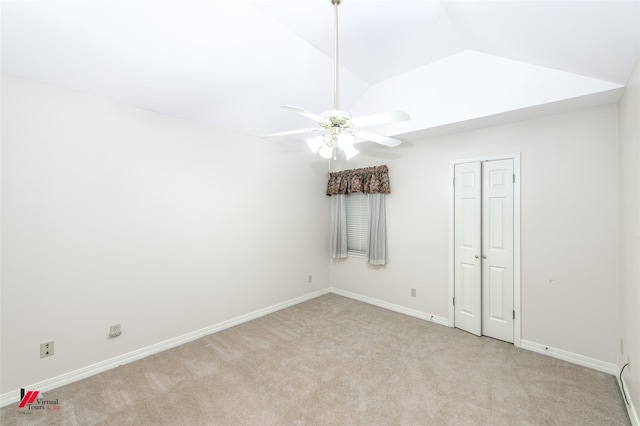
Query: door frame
(517, 323)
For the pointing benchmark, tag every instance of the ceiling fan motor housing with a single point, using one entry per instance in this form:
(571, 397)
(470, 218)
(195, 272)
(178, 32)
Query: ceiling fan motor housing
(337, 119)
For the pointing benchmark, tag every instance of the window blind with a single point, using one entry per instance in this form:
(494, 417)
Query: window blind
(357, 222)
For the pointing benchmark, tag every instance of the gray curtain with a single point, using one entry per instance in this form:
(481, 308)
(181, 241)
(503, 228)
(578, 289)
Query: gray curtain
(339, 226)
(377, 251)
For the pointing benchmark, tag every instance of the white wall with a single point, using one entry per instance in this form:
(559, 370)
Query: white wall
(112, 214)
(569, 219)
(629, 111)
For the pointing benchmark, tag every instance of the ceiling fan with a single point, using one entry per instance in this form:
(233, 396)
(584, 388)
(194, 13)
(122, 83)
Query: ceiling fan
(341, 128)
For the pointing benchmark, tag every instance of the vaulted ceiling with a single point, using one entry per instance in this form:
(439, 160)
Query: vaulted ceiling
(450, 64)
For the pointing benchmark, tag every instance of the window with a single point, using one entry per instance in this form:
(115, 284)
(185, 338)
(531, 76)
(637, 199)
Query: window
(357, 222)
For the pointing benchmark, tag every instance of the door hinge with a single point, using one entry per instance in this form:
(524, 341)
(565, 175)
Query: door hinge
(514, 314)
(454, 182)
(514, 178)
(454, 301)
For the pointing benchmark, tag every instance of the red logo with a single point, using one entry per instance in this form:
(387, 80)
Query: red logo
(27, 398)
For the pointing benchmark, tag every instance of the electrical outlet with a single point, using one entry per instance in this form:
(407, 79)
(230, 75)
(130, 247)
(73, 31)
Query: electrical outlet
(413, 292)
(114, 331)
(46, 349)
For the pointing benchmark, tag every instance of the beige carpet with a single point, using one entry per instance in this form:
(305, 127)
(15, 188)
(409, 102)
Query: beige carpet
(336, 361)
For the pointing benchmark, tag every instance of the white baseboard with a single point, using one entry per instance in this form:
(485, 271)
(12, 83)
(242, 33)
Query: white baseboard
(91, 370)
(631, 409)
(390, 306)
(582, 360)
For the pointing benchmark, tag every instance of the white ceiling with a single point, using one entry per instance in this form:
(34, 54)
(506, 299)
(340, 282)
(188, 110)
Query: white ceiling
(450, 64)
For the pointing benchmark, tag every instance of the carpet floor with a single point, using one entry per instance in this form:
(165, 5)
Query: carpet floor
(336, 361)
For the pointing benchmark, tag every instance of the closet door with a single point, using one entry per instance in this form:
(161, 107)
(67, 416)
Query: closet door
(467, 237)
(497, 249)
(483, 238)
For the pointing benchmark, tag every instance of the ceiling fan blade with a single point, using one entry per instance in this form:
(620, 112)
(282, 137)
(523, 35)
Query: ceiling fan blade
(374, 137)
(293, 132)
(305, 113)
(381, 118)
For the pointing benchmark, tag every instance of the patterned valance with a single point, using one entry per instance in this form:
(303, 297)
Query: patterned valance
(370, 180)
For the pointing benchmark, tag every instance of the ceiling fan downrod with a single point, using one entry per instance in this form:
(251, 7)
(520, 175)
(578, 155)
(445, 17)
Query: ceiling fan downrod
(335, 4)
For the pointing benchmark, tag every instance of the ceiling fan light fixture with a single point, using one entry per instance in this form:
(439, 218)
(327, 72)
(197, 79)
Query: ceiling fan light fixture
(345, 140)
(350, 152)
(325, 145)
(315, 143)
(326, 151)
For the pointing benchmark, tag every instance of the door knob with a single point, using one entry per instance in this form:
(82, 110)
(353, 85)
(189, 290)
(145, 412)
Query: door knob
(476, 256)
(484, 257)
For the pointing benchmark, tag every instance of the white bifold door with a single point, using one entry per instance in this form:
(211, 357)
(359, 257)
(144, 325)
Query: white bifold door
(483, 254)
